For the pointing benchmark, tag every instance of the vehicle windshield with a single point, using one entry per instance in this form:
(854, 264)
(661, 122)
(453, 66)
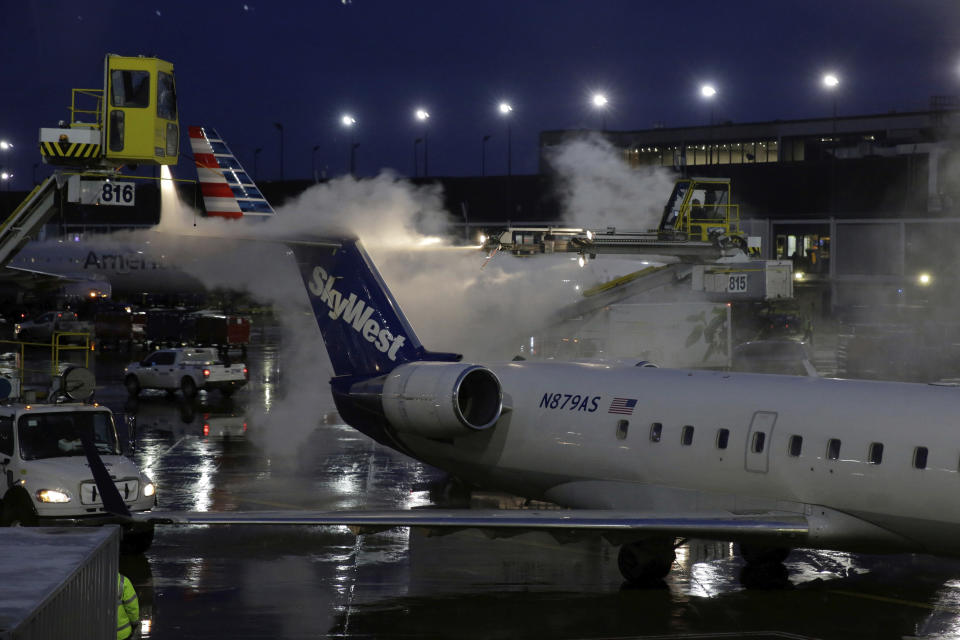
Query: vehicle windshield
(57, 434)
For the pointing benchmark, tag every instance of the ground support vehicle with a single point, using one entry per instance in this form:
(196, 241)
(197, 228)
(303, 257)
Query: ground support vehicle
(47, 479)
(42, 327)
(223, 331)
(113, 328)
(164, 327)
(188, 369)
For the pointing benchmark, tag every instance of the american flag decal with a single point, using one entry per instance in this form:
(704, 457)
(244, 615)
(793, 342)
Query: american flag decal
(623, 406)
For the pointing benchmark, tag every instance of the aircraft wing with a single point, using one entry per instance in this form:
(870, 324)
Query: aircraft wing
(31, 278)
(719, 525)
(11, 271)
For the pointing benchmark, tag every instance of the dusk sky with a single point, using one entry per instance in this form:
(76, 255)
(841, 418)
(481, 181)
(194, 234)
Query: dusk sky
(242, 66)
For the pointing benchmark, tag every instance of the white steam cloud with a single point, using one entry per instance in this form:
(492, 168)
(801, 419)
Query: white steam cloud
(599, 188)
(452, 304)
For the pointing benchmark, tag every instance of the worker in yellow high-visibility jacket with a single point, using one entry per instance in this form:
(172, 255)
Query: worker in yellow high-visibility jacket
(128, 608)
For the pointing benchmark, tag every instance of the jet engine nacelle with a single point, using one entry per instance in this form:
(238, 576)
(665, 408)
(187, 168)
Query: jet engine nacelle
(441, 399)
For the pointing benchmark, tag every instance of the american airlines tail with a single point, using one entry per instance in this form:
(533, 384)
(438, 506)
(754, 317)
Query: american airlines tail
(228, 192)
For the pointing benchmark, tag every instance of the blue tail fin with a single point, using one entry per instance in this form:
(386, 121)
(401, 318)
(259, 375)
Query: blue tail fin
(361, 323)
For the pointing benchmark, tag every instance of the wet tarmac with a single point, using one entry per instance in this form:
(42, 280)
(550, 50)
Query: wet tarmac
(309, 582)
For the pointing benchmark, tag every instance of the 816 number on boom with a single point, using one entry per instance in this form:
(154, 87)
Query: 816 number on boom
(121, 193)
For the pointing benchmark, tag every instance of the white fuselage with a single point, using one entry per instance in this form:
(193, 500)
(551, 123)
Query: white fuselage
(129, 267)
(569, 448)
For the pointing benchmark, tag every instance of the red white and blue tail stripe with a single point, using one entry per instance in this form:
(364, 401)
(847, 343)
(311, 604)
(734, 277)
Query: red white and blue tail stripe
(228, 192)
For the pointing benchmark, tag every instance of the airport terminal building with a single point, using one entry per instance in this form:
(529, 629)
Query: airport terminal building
(868, 206)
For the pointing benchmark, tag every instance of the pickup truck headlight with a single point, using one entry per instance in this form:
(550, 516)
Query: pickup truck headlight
(52, 495)
(149, 489)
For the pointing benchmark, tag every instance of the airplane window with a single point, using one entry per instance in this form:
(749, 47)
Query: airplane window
(656, 430)
(796, 446)
(686, 436)
(833, 448)
(920, 457)
(622, 426)
(876, 453)
(759, 438)
(723, 435)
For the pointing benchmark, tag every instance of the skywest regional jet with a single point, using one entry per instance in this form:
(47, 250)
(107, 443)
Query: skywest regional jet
(640, 455)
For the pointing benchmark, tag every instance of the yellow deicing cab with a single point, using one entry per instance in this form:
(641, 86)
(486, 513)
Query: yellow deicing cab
(132, 120)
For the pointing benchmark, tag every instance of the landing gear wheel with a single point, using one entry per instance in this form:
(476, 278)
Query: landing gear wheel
(646, 563)
(763, 555)
(764, 567)
(188, 387)
(136, 541)
(132, 384)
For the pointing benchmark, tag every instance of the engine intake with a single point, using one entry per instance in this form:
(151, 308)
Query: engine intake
(441, 399)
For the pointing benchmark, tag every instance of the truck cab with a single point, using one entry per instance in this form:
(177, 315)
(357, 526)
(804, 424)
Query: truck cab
(46, 479)
(132, 120)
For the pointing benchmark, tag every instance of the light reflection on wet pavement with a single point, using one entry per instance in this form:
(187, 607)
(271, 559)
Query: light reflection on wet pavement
(309, 582)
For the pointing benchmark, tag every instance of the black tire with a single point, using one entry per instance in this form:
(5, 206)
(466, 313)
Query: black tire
(645, 563)
(132, 383)
(760, 555)
(226, 392)
(17, 511)
(136, 541)
(188, 387)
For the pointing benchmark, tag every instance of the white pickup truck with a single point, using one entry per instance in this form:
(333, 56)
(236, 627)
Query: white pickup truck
(189, 369)
(42, 327)
(46, 479)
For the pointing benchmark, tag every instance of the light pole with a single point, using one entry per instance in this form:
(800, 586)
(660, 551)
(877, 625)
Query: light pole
(6, 176)
(483, 155)
(350, 122)
(505, 111)
(709, 92)
(831, 81)
(313, 162)
(600, 103)
(416, 141)
(423, 116)
(256, 155)
(279, 126)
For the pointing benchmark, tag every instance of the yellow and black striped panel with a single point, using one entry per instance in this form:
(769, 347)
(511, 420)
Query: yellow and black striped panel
(69, 150)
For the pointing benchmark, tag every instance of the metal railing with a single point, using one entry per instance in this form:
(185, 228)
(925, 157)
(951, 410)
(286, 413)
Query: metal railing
(75, 110)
